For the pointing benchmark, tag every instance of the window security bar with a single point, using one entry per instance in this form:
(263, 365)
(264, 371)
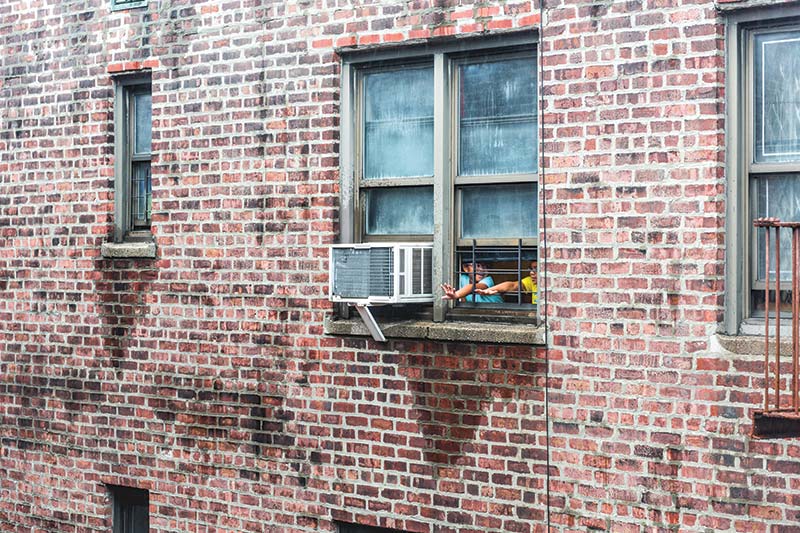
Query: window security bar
(770, 224)
(506, 262)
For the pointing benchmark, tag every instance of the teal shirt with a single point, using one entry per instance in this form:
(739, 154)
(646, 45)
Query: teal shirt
(466, 279)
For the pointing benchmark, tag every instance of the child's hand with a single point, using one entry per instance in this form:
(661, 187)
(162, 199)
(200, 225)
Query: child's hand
(487, 291)
(449, 292)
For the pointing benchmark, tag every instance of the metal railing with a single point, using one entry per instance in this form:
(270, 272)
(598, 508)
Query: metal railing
(519, 254)
(775, 224)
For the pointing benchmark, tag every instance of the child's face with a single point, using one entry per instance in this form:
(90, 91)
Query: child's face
(469, 268)
(534, 269)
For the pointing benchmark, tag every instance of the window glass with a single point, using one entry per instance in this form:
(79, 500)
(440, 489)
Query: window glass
(398, 123)
(141, 194)
(143, 125)
(497, 117)
(499, 211)
(778, 196)
(777, 105)
(399, 211)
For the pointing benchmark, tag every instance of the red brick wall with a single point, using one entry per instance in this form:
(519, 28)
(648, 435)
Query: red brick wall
(651, 426)
(204, 375)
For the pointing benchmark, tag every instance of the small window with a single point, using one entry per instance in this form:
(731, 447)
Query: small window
(133, 190)
(131, 512)
(357, 528)
(117, 5)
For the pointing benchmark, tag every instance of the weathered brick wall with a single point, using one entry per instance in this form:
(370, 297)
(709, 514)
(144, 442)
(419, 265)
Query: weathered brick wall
(650, 430)
(204, 375)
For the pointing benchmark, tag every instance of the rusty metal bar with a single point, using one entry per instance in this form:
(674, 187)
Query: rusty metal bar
(766, 325)
(795, 311)
(777, 317)
(768, 224)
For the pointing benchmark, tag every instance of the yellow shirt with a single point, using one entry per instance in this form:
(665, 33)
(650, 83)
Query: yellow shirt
(529, 285)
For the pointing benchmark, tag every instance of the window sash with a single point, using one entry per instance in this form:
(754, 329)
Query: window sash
(459, 180)
(757, 172)
(360, 113)
(128, 225)
(455, 99)
(118, 5)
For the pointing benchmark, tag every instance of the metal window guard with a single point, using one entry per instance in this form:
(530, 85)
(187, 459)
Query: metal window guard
(473, 252)
(776, 408)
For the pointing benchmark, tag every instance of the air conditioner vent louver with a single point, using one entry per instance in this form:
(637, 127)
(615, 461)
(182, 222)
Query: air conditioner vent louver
(381, 273)
(381, 266)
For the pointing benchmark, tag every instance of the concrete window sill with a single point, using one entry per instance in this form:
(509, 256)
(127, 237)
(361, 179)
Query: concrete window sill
(494, 333)
(124, 250)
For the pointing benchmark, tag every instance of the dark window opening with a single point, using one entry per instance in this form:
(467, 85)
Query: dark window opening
(131, 513)
(358, 528)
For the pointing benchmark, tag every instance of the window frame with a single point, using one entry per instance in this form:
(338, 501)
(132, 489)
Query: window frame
(364, 184)
(741, 169)
(122, 5)
(458, 180)
(125, 156)
(445, 54)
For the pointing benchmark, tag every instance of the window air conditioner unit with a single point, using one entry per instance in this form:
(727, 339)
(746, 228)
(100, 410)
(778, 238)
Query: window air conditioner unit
(381, 273)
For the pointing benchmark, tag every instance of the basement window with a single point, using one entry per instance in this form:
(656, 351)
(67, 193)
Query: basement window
(357, 528)
(131, 513)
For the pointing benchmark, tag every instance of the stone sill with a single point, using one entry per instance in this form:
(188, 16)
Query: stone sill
(494, 333)
(753, 344)
(125, 250)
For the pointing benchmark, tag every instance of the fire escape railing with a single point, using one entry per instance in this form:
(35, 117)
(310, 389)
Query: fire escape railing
(769, 224)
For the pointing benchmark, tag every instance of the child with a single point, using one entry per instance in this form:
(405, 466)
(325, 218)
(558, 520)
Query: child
(528, 285)
(482, 282)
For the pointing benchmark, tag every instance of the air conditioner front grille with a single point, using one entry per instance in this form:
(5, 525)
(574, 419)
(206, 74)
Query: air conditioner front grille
(363, 272)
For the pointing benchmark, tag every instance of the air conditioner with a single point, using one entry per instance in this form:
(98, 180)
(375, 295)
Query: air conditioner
(381, 273)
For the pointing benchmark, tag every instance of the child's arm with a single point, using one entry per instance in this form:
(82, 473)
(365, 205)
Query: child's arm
(450, 293)
(506, 286)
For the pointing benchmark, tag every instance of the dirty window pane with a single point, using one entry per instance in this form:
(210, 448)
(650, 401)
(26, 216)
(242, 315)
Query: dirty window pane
(497, 111)
(141, 194)
(499, 211)
(778, 197)
(399, 211)
(398, 123)
(143, 109)
(777, 97)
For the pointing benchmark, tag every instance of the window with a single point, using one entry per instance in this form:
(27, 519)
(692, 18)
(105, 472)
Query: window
(357, 528)
(133, 190)
(131, 510)
(763, 156)
(774, 142)
(442, 147)
(117, 5)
